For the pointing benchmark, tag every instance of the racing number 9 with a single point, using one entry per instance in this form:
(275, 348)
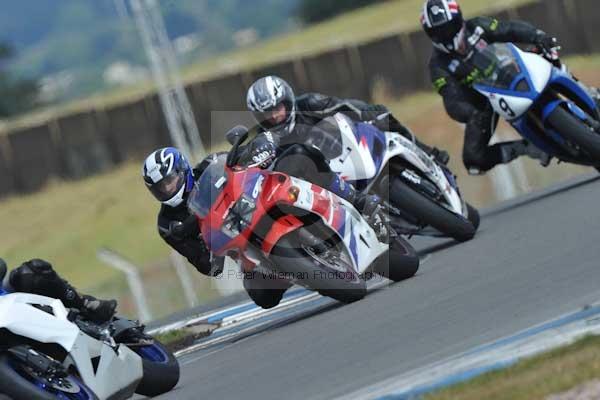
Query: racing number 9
(505, 107)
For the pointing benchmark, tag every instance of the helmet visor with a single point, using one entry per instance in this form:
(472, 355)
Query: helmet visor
(445, 33)
(274, 117)
(168, 186)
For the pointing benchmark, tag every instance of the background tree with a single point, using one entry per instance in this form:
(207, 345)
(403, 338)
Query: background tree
(16, 95)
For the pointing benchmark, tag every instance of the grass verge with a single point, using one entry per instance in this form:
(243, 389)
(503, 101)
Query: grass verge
(181, 338)
(535, 378)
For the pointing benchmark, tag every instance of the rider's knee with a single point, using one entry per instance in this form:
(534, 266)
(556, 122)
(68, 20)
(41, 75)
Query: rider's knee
(266, 298)
(29, 275)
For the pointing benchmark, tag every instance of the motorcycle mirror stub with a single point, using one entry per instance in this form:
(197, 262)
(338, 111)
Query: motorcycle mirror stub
(240, 133)
(235, 133)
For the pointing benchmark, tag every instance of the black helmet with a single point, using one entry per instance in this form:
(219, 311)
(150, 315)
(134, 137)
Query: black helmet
(265, 96)
(443, 22)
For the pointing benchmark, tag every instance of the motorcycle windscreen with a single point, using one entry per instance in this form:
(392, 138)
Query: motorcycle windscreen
(326, 137)
(496, 66)
(208, 188)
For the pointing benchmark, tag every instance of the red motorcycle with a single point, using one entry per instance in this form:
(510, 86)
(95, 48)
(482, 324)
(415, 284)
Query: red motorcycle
(290, 229)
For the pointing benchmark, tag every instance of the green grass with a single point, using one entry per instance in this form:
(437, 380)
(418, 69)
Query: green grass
(358, 26)
(535, 378)
(67, 222)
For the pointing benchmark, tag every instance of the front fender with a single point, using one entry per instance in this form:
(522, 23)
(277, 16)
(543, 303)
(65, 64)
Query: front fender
(280, 228)
(575, 110)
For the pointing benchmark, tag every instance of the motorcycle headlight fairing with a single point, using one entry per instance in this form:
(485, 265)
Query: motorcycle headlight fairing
(239, 216)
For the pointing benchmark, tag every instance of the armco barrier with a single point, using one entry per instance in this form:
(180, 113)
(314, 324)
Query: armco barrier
(332, 73)
(78, 145)
(133, 129)
(588, 14)
(35, 157)
(83, 146)
(6, 175)
(291, 71)
(396, 71)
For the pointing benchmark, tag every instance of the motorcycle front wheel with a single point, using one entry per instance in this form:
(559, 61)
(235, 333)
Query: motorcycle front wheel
(576, 131)
(19, 381)
(323, 271)
(430, 213)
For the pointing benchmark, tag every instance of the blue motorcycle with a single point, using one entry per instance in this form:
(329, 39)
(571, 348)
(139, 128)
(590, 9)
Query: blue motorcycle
(541, 100)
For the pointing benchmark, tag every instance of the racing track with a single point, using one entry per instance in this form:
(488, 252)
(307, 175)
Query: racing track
(534, 258)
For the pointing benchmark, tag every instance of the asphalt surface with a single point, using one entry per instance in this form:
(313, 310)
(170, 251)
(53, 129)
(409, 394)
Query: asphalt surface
(533, 259)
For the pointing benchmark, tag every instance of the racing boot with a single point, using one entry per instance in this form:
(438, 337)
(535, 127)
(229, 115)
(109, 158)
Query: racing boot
(369, 205)
(372, 208)
(511, 150)
(441, 156)
(38, 277)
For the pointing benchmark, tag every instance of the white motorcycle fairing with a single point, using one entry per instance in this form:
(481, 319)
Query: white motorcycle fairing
(399, 146)
(357, 161)
(119, 369)
(359, 238)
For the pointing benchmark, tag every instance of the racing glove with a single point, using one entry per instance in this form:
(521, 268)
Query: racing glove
(263, 152)
(181, 230)
(548, 45)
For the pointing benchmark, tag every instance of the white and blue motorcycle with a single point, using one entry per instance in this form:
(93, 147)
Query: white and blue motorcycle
(422, 195)
(48, 352)
(543, 102)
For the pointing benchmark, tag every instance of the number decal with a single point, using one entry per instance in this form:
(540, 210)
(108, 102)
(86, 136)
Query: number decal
(506, 108)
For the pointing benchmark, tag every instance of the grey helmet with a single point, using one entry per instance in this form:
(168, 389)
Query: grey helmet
(265, 95)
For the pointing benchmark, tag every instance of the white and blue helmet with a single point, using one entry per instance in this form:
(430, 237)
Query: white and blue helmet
(168, 176)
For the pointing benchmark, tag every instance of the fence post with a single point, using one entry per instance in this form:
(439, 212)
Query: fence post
(184, 276)
(134, 280)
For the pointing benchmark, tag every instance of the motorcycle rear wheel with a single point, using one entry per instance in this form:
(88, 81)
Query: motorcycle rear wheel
(303, 266)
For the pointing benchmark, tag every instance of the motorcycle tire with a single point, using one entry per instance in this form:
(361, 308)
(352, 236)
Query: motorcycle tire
(293, 260)
(575, 130)
(430, 213)
(18, 384)
(400, 263)
(161, 369)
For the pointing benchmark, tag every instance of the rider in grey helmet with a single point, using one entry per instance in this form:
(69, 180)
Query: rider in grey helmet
(284, 121)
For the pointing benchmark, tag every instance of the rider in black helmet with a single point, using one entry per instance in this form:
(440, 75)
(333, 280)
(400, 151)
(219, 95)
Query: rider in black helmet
(38, 277)
(454, 40)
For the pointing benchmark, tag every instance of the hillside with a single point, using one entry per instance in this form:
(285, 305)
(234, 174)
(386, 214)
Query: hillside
(71, 44)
